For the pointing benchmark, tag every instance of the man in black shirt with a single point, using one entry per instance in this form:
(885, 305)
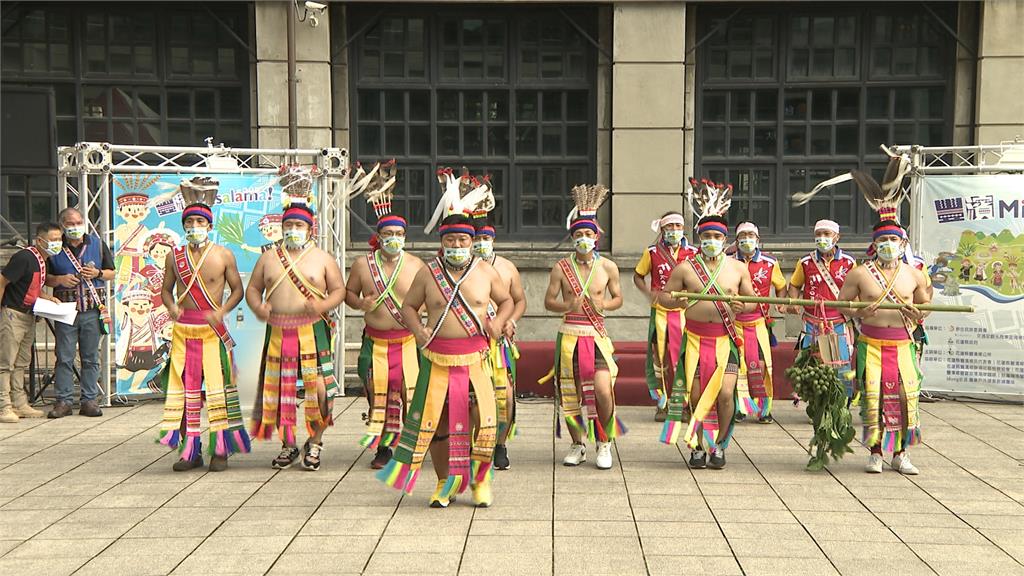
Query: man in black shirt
(21, 284)
(78, 274)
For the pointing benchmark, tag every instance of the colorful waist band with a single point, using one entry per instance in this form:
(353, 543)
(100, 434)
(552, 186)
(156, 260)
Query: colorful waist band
(458, 346)
(706, 329)
(749, 317)
(291, 320)
(828, 318)
(884, 333)
(376, 333)
(193, 317)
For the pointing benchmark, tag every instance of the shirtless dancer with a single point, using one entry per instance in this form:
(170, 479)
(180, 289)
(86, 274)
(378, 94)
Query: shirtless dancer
(293, 288)
(388, 361)
(706, 374)
(889, 377)
(454, 393)
(504, 352)
(200, 363)
(583, 287)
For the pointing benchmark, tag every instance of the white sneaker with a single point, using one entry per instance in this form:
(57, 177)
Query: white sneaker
(874, 465)
(901, 463)
(604, 455)
(576, 456)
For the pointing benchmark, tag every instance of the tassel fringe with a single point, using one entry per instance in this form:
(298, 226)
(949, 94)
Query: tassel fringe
(670, 431)
(171, 438)
(481, 471)
(227, 442)
(399, 476)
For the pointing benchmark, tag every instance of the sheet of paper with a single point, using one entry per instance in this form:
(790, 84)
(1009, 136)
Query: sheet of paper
(64, 312)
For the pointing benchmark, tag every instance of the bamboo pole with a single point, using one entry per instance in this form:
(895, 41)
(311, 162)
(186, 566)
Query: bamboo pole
(802, 302)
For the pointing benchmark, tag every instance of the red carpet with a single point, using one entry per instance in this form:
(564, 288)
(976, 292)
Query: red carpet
(631, 387)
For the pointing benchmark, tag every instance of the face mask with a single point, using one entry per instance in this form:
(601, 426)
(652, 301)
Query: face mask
(456, 256)
(888, 251)
(711, 247)
(673, 237)
(824, 243)
(483, 248)
(196, 235)
(75, 232)
(748, 245)
(585, 245)
(52, 247)
(393, 244)
(295, 238)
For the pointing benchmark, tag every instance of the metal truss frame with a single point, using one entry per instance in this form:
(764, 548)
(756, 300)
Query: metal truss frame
(84, 181)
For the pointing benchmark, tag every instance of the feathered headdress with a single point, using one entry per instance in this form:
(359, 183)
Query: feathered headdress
(884, 198)
(709, 199)
(462, 195)
(587, 199)
(199, 194)
(297, 185)
(380, 190)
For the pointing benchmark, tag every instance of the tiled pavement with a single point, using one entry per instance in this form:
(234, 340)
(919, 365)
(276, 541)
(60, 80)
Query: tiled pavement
(97, 496)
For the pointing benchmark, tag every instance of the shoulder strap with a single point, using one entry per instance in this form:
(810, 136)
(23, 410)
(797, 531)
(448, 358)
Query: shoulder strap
(104, 314)
(580, 289)
(826, 275)
(195, 288)
(711, 287)
(42, 266)
(453, 299)
(288, 264)
(385, 286)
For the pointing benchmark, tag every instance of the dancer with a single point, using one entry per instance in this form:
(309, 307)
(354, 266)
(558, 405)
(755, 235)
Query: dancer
(293, 288)
(665, 330)
(454, 393)
(583, 287)
(201, 364)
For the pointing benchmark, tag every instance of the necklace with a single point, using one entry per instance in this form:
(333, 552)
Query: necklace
(454, 268)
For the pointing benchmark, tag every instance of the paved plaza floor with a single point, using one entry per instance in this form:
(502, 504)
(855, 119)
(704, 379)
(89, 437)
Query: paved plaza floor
(97, 496)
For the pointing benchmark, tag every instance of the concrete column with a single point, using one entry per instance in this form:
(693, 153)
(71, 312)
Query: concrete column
(313, 72)
(1000, 108)
(647, 118)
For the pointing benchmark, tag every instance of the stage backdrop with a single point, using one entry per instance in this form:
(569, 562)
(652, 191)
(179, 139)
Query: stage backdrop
(972, 239)
(147, 223)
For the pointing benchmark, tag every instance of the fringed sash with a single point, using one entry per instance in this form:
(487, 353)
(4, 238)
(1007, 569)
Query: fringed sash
(450, 368)
(83, 302)
(888, 369)
(453, 299)
(706, 354)
(195, 288)
(754, 383)
(295, 346)
(389, 367)
(503, 354)
(200, 359)
(664, 343)
(308, 290)
(710, 283)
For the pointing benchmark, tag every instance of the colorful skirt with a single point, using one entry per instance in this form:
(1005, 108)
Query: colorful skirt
(579, 353)
(708, 354)
(504, 355)
(452, 370)
(388, 367)
(813, 327)
(664, 344)
(295, 348)
(199, 359)
(754, 382)
(887, 363)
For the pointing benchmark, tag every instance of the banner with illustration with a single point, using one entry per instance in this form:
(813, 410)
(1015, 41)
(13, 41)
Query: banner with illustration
(147, 225)
(972, 239)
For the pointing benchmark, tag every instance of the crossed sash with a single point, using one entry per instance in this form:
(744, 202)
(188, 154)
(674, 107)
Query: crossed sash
(195, 288)
(454, 301)
(710, 282)
(386, 286)
(308, 290)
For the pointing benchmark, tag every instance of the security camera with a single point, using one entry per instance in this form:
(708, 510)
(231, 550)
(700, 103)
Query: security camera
(313, 21)
(316, 6)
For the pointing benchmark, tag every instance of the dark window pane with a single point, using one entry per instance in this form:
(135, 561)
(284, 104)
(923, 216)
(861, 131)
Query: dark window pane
(394, 140)
(149, 135)
(821, 104)
(878, 103)
(450, 64)
(472, 106)
(847, 141)
(472, 64)
(419, 105)
(717, 63)
(419, 140)
(577, 105)
(739, 140)
(204, 61)
(846, 62)
(497, 141)
(763, 35)
(763, 64)
(794, 141)
(497, 106)
(552, 141)
(415, 64)
(67, 132)
(394, 105)
(881, 61)
(767, 103)
(847, 104)
(148, 105)
(904, 104)
(526, 106)
(495, 63)
(526, 140)
(179, 134)
(714, 106)
(96, 58)
(369, 64)
(936, 103)
(740, 62)
(798, 62)
(821, 140)
(740, 106)
(903, 134)
(448, 106)
(764, 141)
(123, 133)
(205, 107)
(448, 140)
(552, 106)
(798, 28)
(824, 28)
(846, 30)
(394, 64)
(577, 140)
(795, 106)
(552, 182)
(876, 134)
(528, 63)
(904, 62)
(369, 141)
(94, 102)
(551, 213)
(714, 141)
(823, 63)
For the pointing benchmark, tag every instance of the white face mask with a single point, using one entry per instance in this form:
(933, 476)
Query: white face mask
(393, 244)
(295, 238)
(889, 251)
(673, 237)
(711, 247)
(585, 245)
(456, 256)
(483, 248)
(747, 245)
(824, 243)
(196, 235)
(75, 232)
(52, 247)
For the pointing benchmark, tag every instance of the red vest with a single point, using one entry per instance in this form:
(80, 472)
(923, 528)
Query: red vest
(662, 263)
(760, 268)
(815, 287)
